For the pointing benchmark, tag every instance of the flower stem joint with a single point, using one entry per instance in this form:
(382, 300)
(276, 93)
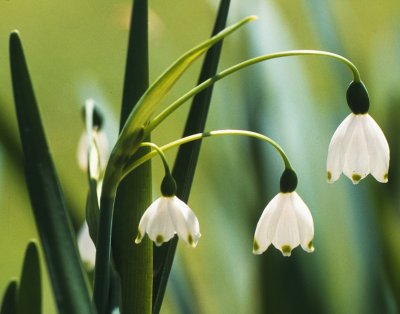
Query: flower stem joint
(288, 181)
(357, 97)
(168, 186)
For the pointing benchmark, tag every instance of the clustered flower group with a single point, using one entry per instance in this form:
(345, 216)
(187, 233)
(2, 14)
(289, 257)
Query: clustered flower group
(358, 147)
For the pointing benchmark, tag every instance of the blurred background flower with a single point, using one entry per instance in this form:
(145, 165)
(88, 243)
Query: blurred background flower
(76, 50)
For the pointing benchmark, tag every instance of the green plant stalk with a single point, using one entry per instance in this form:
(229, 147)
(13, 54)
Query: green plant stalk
(103, 255)
(292, 53)
(199, 136)
(133, 263)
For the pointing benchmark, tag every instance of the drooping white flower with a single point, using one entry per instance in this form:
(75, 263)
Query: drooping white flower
(167, 216)
(358, 147)
(286, 222)
(86, 247)
(95, 153)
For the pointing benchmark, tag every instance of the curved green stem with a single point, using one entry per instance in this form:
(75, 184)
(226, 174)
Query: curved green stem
(161, 153)
(103, 254)
(291, 53)
(199, 136)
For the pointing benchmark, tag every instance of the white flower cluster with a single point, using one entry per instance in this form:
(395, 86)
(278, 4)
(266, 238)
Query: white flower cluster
(358, 147)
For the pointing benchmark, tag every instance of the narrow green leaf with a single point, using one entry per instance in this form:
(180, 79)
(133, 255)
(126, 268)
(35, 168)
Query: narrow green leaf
(186, 160)
(52, 218)
(136, 79)
(131, 133)
(9, 302)
(30, 288)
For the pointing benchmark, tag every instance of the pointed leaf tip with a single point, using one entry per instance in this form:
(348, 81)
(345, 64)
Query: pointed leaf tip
(30, 290)
(9, 301)
(15, 40)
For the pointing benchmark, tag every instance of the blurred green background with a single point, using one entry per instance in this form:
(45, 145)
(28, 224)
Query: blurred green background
(76, 50)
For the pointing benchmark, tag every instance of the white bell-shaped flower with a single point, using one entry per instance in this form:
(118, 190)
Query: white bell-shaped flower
(86, 247)
(286, 222)
(167, 216)
(358, 147)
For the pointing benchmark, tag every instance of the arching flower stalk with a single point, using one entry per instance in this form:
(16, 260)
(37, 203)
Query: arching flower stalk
(168, 215)
(286, 221)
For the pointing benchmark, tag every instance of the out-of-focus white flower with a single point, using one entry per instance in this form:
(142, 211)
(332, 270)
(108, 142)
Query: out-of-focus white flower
(97, 152)
(358, 147)
(86, 247)
(165, 217)
(286, 222)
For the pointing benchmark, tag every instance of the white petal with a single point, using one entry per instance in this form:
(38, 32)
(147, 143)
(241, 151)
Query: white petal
(266, 225)
(159, 225)
(145, 219)
(356, 156)
(94, 163)
(82, 152)
(286, 222)
(86, 247)
(305, 223)
(335, 159)
(99, 152)
(103, 147)
(287, 232)
(184, 221)
(378, 149)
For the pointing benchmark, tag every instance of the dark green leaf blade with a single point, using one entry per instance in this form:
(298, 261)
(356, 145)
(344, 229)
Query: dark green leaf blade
(136, 79)
(30, 288)
(9, 302)
(52, 219)
(186, 160)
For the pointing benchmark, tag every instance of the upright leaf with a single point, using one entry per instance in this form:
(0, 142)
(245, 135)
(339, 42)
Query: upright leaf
(9, 302)
(30, 288)
(186, 160)
(134, 262)
(52, 218)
